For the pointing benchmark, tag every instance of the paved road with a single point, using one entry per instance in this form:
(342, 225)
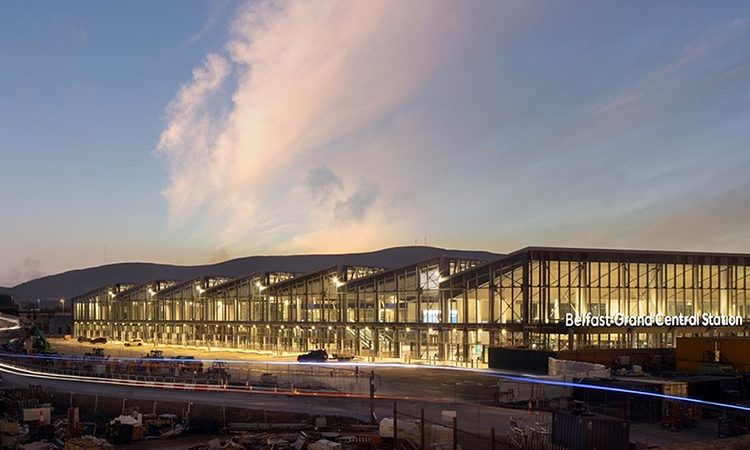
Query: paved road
(471, 418)
(442, 383)
(418, 383)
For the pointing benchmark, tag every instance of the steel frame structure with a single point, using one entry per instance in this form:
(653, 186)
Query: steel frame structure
(439, 309)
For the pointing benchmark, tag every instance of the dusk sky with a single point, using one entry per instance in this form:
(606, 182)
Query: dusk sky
(193, 131)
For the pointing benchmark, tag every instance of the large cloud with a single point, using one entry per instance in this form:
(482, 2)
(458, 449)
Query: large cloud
(338, 126)
(297, 82)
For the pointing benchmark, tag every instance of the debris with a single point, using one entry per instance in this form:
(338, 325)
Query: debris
(38, 445)
(256, 427)
(42, 414)
(126, 420)
(9, 431)
(176, 431)
(87, 443)
(324, 444)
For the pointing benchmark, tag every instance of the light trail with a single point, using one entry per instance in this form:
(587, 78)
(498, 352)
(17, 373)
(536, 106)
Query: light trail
(627, 391)
(16, 323)
(273, 392)
(331, 364)
(525, 378)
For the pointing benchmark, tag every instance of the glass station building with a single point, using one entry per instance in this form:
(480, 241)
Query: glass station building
(444, 308)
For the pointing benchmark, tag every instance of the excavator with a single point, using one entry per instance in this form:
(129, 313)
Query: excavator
(31, 340)
(39, 342)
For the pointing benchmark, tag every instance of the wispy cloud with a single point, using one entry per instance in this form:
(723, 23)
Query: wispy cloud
(216, 12)
(341, 125)
(305, 77)
(664, 85)
(188, 140)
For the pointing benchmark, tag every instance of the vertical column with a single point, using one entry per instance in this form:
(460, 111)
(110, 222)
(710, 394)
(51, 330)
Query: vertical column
(443, 339)
(465, 345)
(526, 301)
(571, 339)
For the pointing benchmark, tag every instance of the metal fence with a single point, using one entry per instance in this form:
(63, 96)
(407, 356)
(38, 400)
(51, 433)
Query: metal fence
(287, 377)
(450, 432)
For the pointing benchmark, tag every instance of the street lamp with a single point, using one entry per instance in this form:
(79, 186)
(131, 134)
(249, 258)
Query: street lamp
(62, 305)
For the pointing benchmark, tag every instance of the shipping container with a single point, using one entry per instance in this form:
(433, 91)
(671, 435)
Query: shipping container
(520, 360)
(590, 432)
(713, 354)
(650, 359)
(629, 406)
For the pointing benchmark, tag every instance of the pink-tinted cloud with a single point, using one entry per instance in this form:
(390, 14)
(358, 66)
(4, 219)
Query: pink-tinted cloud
(304, 76)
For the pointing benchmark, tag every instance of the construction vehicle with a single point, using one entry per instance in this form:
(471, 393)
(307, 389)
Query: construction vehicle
(158, 354)
(187, 365)
(96, 361)
(15, 345)
(41, 344)
(155, 364)
(218, 371)
(29, 339)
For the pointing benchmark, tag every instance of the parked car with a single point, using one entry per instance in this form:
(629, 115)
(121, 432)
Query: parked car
(134, 342)
(83, 339)
(99, 340)
(314, 356)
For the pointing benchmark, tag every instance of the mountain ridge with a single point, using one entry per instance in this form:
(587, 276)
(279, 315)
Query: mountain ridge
(50, 288)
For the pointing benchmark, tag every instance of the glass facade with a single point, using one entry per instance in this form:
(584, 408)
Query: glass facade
(440, 309)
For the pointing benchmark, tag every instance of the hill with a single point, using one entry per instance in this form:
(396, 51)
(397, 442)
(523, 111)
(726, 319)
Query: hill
(69, 284)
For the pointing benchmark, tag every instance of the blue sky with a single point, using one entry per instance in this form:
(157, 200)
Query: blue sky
(189, 132)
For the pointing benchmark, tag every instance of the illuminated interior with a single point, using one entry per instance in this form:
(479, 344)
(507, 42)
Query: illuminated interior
(446, 309)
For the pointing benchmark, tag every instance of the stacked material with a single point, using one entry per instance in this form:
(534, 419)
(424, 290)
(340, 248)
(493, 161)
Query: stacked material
(87, 443)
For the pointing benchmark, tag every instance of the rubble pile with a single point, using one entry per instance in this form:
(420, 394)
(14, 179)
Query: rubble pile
(30, 422)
